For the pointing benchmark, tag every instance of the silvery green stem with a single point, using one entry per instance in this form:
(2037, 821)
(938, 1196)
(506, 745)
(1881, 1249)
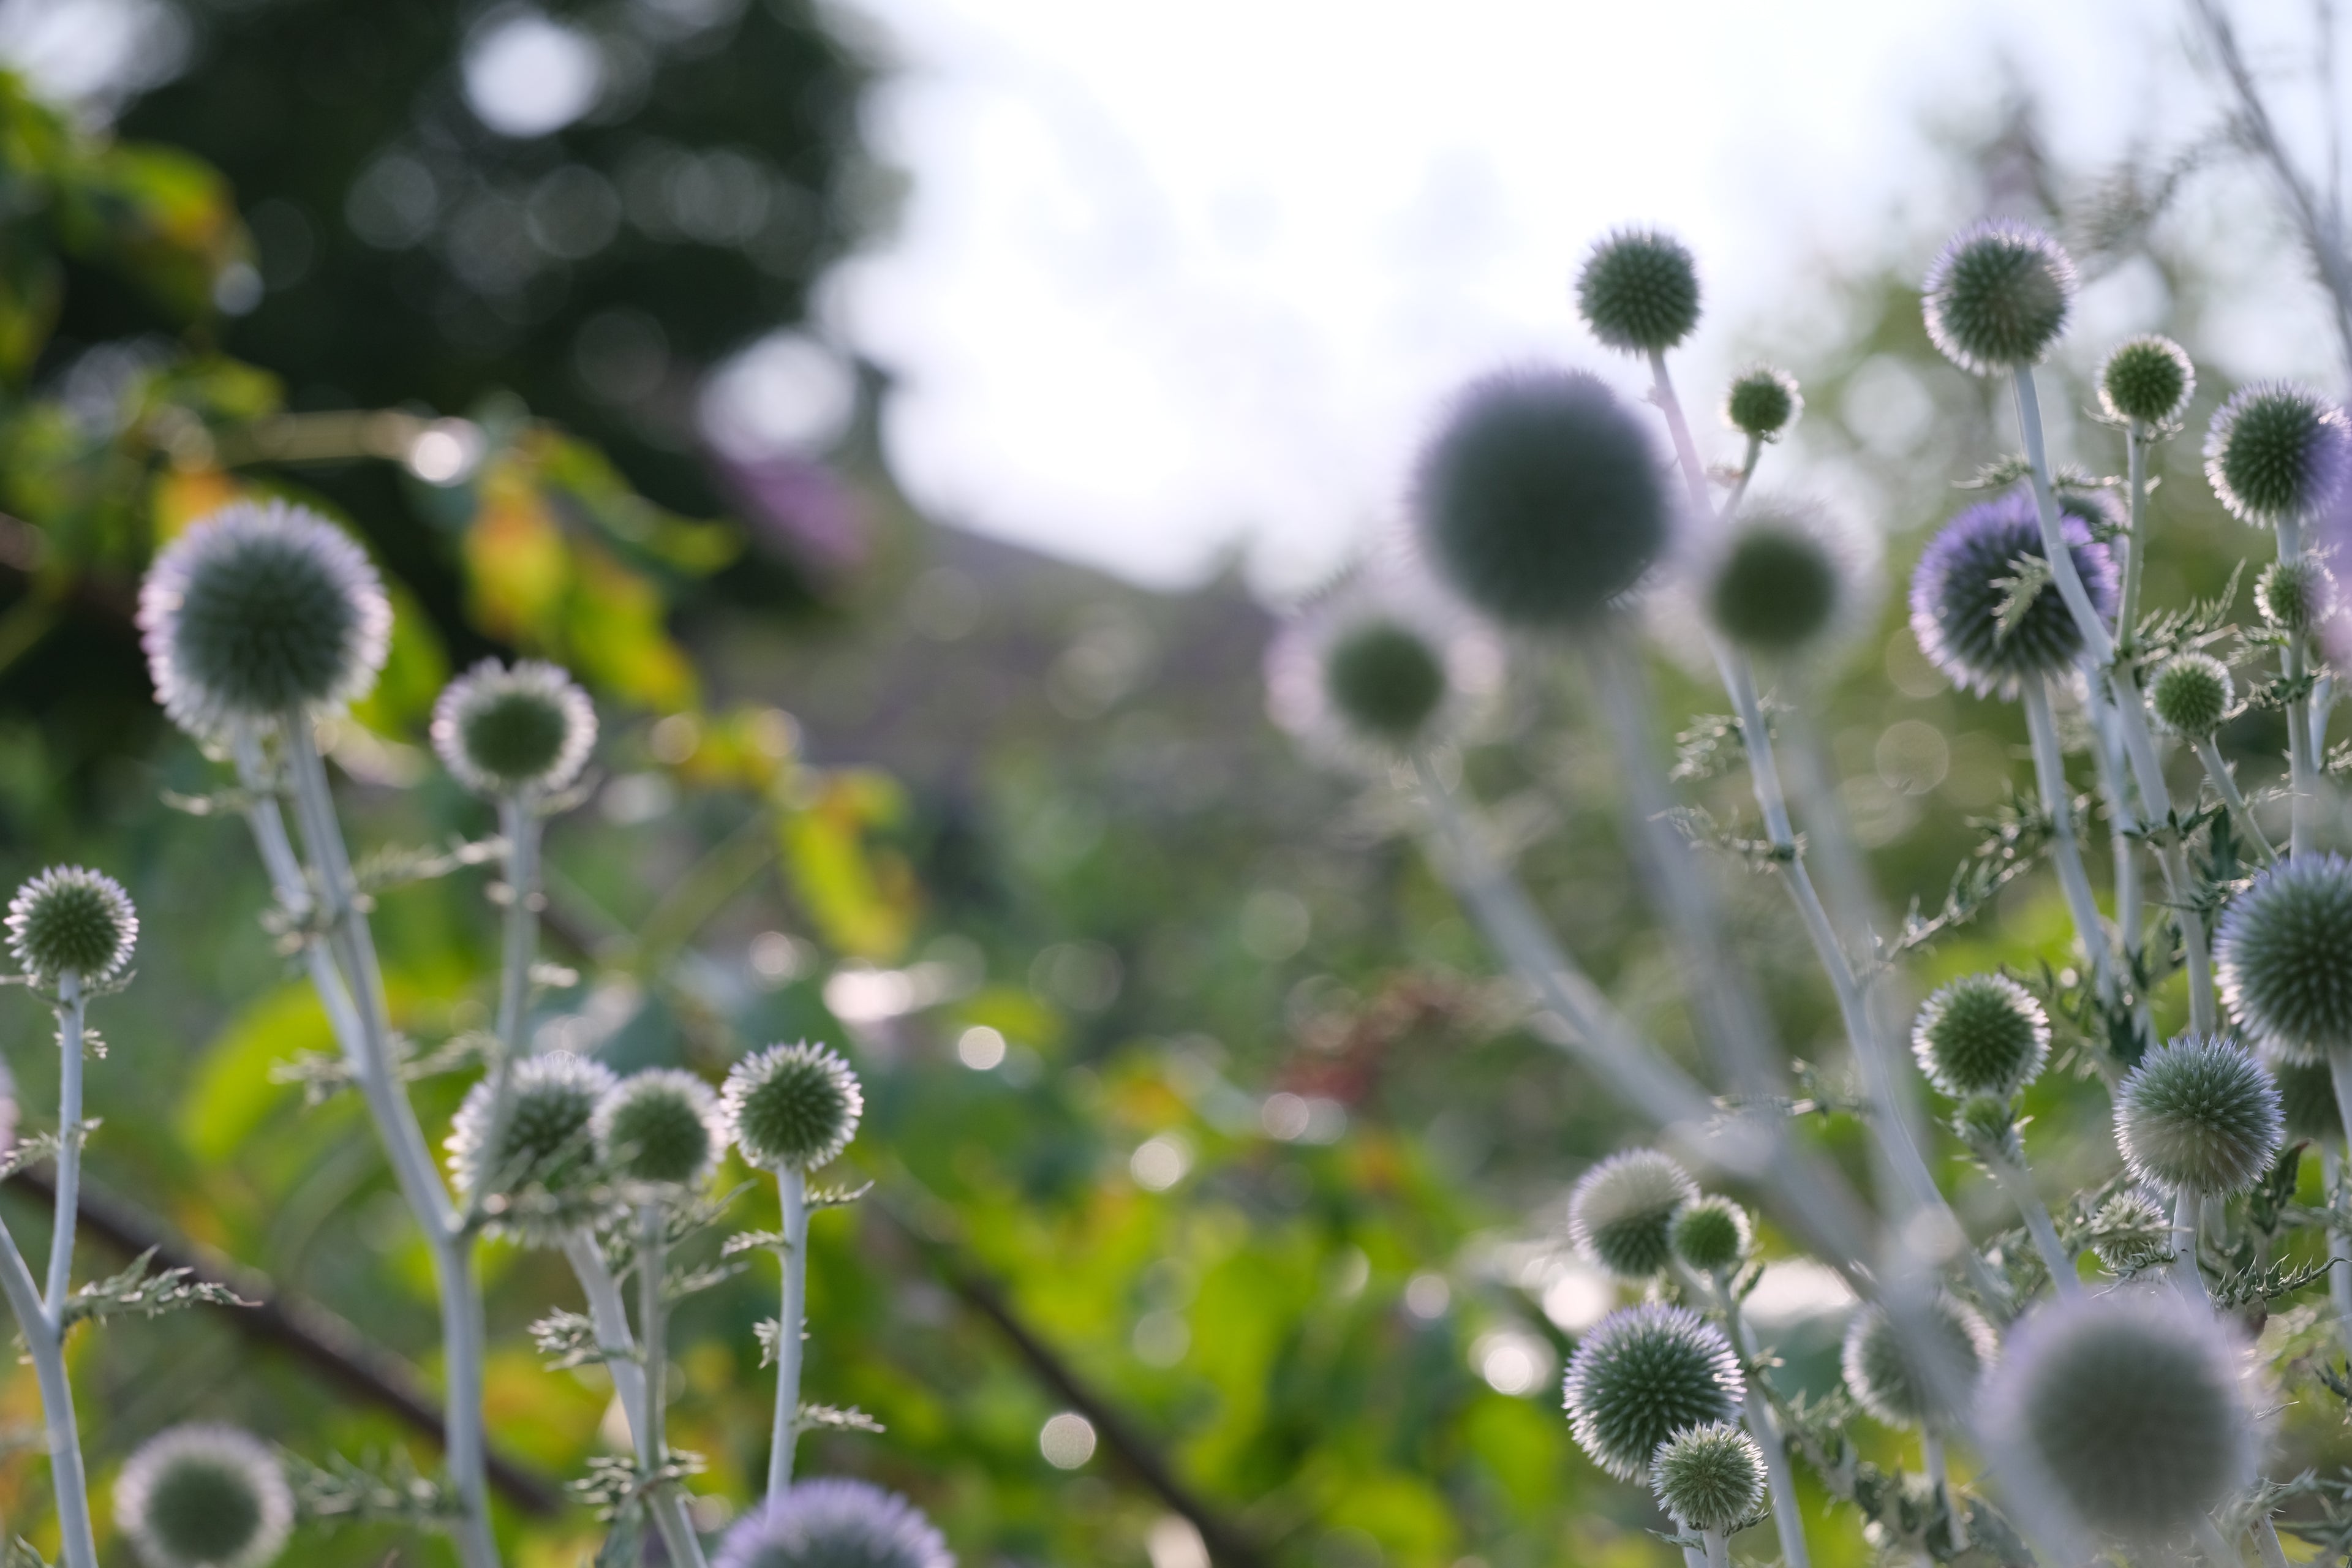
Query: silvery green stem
(44, 1346)
(651, 1433)
(792, 1188)
(370, 1058)
(610, 1315)
(2266, 1541)
(2339, 1071)
(1746, 473)
(2218, 770)
(2097, 643)
(2107, 753)
(2216, 1550)
(1694, 1558)
(2340, 1246)
(1718, 1548)
(1788, 1519)
(69, 1140)
(2136, 440)
(2186, 1277)
(2301, 753)
(519, 823)
(1931, 1456)
(2058, 801)
(2017, 1183)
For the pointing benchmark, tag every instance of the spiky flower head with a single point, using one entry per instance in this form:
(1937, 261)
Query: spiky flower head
(503, 730)
(1886, 1378)
(2307, 1086)
(1999, 296)
(1777, 580)
(1710, 1235)
(659, 1128)
(2296, 594)
(1377, 666)
(540, 1174)
(204, 1497)
(261, 610)
(1968, 576)
(1763, 403)
(2132, 1403)
(833, 1524)
(2132, 1231)
(2191, 694)
(2146, 381)
(793, 1107)
(1638, 290)
(1621, 1212)
(1982, 1034)
(71, 918)
(2277, 452)
(1709, 1477)
(1987, 1124)
(1642, 1374)
(2199, 1112)
(1540, 499)
(2280, 955)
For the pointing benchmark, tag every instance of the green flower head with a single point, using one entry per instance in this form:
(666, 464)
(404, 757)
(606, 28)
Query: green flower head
(72, 920)
(205, 1497)
(1622, 1213)
(2199, 1113)
(1642, 1374)
(1639, 291)
(793, 1107)
(1982, 1034)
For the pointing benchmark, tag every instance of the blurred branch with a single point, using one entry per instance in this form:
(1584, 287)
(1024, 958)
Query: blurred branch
(1229, 1546)
(320, 1339)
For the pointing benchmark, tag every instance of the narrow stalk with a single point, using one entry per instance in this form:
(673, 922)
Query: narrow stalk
(2339, 1247)
(2135, 444)
(792, 1188)
(610, 1315)
(2058, 801)
(2186, 1277)
(2301, 753)
(2218, 770)
(2106, 752)
(1718, 1548)
(2219, 1552)
(1747, 472)
(2339, 1070)
(519, 823)
(2266, 1541)
(1694, 1558)
(45, 1347)
(1780, 1482)
(651, 1433)
(2018, 1184)
(1931, 1456)
(71, 1004)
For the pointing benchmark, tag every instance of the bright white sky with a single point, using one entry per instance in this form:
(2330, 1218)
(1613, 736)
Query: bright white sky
(1175, 277)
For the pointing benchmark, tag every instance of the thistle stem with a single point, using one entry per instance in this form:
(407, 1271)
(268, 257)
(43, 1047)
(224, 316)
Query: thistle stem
(2107, 753)
(2097, 643)
(2186, 1277)
(2266, 1541)
(1931, 1456)
(2219, 1551)
(71, 1004)
(520, 824)
(2339, 1247)
(791, 1187)
(651, 1433)
(1718, 1548)
(2302, 758)
(2218, 770)
(44, 1346)
(2017, 1183)
(1756, 1409)
(610, 1315)
(2135, 444)
(2058, 802)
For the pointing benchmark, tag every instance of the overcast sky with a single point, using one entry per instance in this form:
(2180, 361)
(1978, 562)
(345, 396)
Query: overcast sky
(1174, 279)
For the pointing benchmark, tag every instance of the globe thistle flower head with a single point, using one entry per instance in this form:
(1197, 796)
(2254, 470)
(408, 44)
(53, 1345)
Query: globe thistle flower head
(833, 1524)
(1775, 584)
(1982, 1034)
(2308, 1105)
(1887, 1378)
(1621, 1212)
(1378, 666)
(1638, 290)
(2146, 381)
(503, 730)
(792, 1107)
(1987, 1124)
(2279, 956)
(204, 1497)
(2296, 594)
(1763, 403)
(1540, 499)
(2199, 1112)
(1999, 296)
(659, 1128)
(1709, 1477)
(545, 1161)
(1967, 574)
(2191, 694)
(2132, 1403)
(1710, 1235)
(1642, 1374)
(2132, 1231)
(261, 610)
(71, 918)
(2277, 453)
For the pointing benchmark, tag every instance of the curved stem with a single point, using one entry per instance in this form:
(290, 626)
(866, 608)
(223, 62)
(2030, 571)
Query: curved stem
(1779, 1479)
(2218, 770)
(2219, 1551)
(45, 1347)
(2018, 1184)
(2098, 645)
(610, 1315)
(651, 1432)
(2186, 1277)
(792, 1188)
(2058, 801)
(70, 1140)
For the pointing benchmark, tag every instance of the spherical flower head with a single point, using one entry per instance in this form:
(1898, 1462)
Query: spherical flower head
(1621, 1212)
(261, 610)
(546, 1151)
(1776, 583)
(2135, 1406)
(833, 1524)
(1710, 1235)
(659, 1128)
(71, 918)
(2191, 694)
(1379, 664)
(1763, 403)
(1642, 1374)
(2277, 452)
(2146, 381)
(1386, 680)
(2199, 1113)
(2280, 955)
(1999, 297)
(1885, 1377)
(1709, 1477)
(503, 731)
(1541, 500)
(2134, 1232)
(1987, 1124)
(1638, 290)
(204, 1497)
(2307, 1086)
(1963, 578)
(1982, 1034)
(793, 1107)
(2296, 594)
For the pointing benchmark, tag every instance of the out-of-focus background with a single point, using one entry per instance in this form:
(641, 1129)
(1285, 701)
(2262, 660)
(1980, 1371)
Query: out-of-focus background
(906, 416)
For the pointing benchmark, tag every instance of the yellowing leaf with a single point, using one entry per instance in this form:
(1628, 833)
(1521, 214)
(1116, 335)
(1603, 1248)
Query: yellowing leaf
(862, 897)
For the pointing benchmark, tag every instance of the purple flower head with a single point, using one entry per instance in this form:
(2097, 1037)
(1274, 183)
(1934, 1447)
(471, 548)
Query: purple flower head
(834, 1523)
(1969, 573)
